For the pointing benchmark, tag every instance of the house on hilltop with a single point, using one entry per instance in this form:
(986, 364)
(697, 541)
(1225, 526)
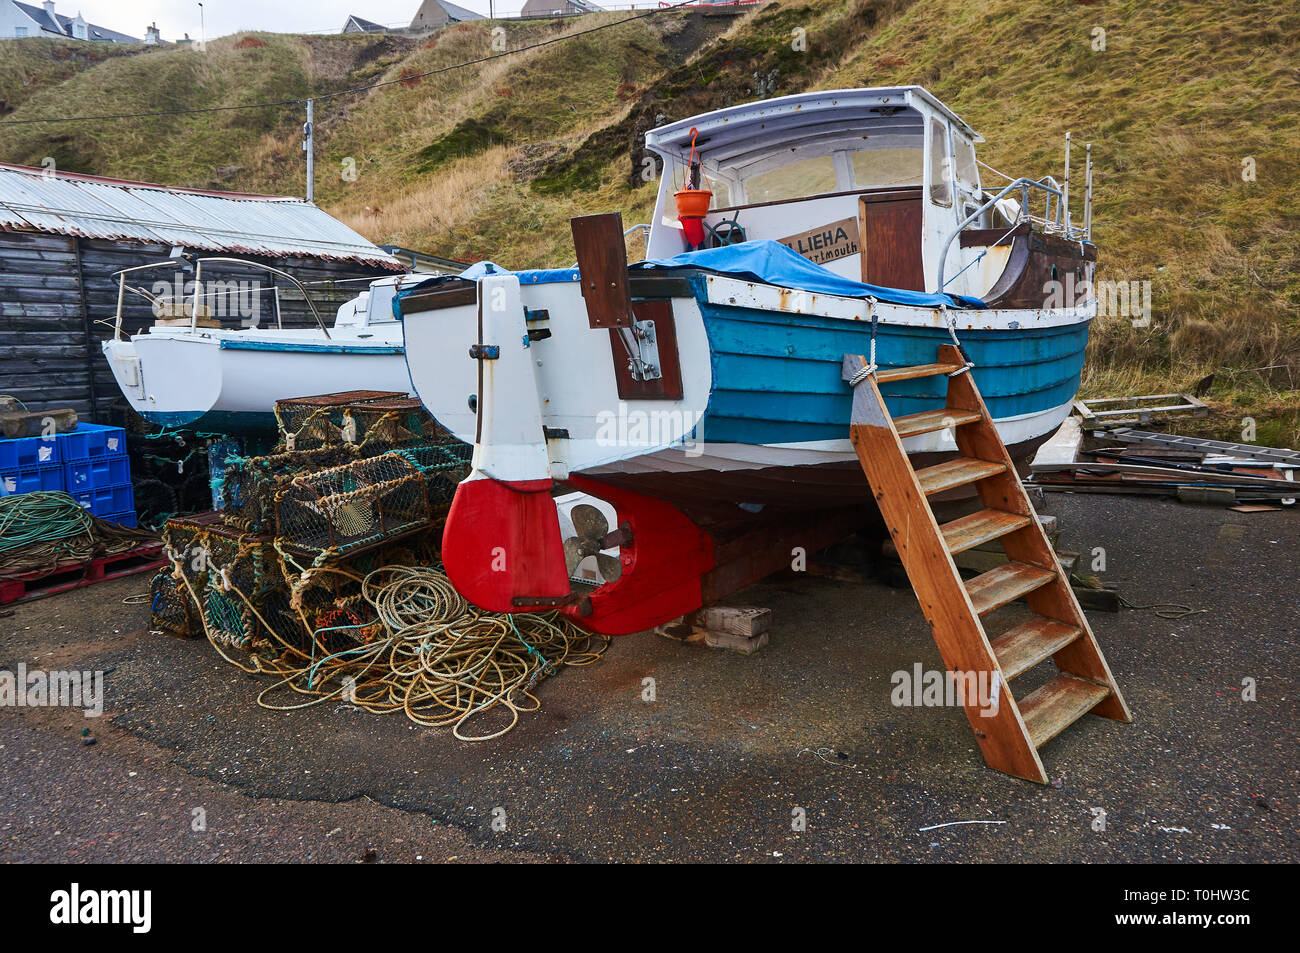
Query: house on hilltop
(356, 24)
(558, 8)
(436, 14)
(18, 20)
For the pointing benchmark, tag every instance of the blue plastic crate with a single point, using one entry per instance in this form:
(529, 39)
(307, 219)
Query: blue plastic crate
(32, 479)
(96, 473)
(91, 440)
(28, 452)
(104, 500)
(123, 519)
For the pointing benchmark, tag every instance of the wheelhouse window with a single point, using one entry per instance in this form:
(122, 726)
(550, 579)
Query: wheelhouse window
(887, 168)
(795, 180)
(714, 182)
(940, 188)
(721, 191)
(968, 174)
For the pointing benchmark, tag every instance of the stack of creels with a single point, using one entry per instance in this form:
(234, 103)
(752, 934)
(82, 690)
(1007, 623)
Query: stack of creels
(331, 513)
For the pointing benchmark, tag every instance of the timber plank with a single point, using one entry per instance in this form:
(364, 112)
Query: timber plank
(1060, 703)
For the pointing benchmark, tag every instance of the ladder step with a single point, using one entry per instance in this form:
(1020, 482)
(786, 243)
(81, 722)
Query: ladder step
(1060, 703)
(997, 587)
(1023, 647)
(887, 374)
(931, 420)
(978, 528)
(956, 472)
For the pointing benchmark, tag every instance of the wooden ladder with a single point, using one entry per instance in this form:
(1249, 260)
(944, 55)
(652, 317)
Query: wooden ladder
(1010, 734)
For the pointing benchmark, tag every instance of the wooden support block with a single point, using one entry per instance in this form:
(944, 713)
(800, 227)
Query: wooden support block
(747, 621)
(737, 629)
(744, 644)
(1102, 600)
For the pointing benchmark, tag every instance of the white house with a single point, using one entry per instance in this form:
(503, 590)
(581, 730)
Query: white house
(18, 20)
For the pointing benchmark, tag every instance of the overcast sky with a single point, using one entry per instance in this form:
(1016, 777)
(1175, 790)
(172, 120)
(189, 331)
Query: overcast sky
(178, 17)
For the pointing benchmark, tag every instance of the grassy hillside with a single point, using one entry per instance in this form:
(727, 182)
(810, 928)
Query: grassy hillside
(29, 66)
(492, 160)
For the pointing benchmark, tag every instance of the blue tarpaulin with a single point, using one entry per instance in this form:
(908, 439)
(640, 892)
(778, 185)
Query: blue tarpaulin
(775, 264)
(766, 261)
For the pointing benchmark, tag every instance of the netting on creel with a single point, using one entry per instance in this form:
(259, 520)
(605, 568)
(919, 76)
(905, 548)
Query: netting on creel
(307, 423)
(249, 484)
(171, 609)
(347, 508)
(443, 465)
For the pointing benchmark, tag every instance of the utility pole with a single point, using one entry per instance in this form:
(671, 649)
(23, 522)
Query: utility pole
(308, 146)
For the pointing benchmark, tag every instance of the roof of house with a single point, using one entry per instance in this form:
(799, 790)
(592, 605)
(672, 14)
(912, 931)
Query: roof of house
(122, 210)
(542, 7)
(459, 13)
(365, 26)
(63, 25)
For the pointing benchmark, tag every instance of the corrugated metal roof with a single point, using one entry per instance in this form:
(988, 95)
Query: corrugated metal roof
(115, 209)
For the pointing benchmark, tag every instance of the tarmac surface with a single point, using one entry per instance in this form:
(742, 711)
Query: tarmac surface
(723, 760)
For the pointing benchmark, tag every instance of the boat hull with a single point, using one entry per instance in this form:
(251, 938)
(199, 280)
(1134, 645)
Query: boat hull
(230, 384)
(763, 416)
(735, 456)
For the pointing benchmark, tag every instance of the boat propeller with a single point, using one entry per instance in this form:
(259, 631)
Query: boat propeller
(593, 535)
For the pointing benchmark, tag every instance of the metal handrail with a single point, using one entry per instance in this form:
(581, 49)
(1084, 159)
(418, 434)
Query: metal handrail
(122, 289)
(1022, 184)
(198, 265)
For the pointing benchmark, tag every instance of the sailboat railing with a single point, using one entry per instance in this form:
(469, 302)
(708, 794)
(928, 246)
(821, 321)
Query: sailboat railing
(123, 288)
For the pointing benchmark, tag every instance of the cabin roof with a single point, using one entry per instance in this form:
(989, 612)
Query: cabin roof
(121, 210)
(737, 131)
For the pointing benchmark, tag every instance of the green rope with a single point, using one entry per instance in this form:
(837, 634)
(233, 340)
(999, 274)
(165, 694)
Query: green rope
(40, 517)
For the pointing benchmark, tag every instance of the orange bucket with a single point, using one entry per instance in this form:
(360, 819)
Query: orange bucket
(693, 203)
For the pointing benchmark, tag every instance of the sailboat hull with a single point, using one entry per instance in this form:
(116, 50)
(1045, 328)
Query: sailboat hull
(229, 382)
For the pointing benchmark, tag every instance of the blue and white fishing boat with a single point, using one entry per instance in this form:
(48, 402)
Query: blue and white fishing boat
(703, 386)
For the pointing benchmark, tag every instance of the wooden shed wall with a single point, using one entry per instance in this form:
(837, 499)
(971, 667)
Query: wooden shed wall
(58, 298)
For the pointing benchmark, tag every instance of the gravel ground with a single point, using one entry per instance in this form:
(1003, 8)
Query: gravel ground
(715, 767)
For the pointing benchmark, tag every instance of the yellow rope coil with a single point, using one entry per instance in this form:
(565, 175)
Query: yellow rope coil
(438, 659)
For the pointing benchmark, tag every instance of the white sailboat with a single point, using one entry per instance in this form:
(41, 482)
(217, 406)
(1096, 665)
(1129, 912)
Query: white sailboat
(189, 371)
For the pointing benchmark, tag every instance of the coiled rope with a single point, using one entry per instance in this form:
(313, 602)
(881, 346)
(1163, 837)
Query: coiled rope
(431, 655)
(40, 517)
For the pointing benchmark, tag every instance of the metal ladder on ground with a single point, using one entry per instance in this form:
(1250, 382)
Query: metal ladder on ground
(1010, 733)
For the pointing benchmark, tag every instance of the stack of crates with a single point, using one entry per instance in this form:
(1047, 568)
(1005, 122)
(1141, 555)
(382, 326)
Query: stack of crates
(90, 464)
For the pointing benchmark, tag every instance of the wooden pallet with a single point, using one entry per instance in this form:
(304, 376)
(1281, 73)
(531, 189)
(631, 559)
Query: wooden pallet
(73, 575)
(1010, 737)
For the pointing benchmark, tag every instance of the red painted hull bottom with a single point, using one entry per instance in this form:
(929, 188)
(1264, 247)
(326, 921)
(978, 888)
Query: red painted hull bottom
(503, 552)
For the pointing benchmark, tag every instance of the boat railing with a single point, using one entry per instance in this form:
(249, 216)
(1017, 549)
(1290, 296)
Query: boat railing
(1054, 220)
(199, 294)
